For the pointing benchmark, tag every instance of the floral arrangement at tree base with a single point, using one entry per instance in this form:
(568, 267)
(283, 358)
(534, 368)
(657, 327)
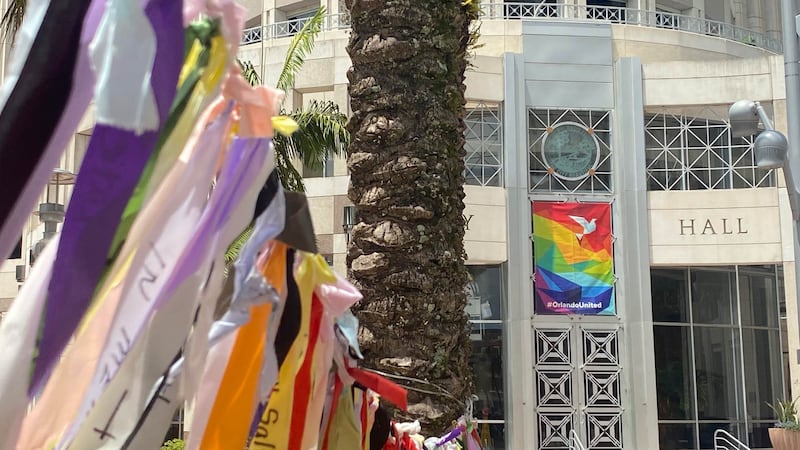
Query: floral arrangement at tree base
(786, 433)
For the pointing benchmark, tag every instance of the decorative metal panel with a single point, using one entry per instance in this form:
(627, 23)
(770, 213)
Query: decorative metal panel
(554, 387)
(604, 431)
(554, 430)
(693, 153)
(553, 347)
(578, 380)
(600, 347)
(542, 176)
(484, 146)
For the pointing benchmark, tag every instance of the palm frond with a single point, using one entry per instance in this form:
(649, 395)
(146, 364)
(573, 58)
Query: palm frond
(322, 133)
(249, 72)
(291, 180)
(12, 18)
(301, 45)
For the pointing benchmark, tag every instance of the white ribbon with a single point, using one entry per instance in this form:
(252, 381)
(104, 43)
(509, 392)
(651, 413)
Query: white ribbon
(18, 332)
(123, 95)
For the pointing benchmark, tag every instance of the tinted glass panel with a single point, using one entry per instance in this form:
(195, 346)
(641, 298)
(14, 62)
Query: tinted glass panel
(674, 372)
(716, 373)
(713, 295)
(670, 296)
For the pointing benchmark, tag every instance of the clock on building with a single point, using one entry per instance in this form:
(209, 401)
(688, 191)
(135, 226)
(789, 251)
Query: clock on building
(571, 150)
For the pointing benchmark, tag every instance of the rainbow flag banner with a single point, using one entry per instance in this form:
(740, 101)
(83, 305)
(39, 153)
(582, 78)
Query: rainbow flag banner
(573, 258)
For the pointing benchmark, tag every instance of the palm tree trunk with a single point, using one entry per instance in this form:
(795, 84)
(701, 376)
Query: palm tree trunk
(406, 160)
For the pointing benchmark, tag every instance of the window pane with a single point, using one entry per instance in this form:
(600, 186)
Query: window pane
(707, 430)
(758, 434)
(762, 371)
(713, 291)
(487, 365)
(676, 436)
(716, 373)
(673, 372)
(669, 293)
(758, 295)
(485, 293)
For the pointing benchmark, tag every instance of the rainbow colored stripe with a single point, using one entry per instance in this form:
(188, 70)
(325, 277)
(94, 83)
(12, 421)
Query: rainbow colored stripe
(573, 258)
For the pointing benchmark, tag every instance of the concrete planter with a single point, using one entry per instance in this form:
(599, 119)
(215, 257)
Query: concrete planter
(783, 439)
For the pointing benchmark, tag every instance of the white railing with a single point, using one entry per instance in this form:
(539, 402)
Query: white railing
(558, 11)
(726, 441)
(288, 28)
(575, 441)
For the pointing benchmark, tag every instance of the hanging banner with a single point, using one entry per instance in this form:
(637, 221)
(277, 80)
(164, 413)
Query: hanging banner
(573, 258)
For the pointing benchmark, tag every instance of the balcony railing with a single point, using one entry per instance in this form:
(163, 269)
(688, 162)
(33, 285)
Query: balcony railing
(556, 11)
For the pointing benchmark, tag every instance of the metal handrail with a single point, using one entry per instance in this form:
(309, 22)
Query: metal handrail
(575, 441)
(726, 441)
(555, 11)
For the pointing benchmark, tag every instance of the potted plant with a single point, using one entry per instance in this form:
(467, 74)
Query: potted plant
(786, 433)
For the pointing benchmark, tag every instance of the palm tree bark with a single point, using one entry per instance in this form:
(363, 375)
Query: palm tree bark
(406, 161)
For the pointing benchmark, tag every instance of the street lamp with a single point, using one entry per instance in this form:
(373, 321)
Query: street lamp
(771, 147)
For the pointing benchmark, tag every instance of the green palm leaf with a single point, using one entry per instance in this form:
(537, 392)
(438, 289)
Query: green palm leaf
(322, 133)
(249, 72)
(301, 45)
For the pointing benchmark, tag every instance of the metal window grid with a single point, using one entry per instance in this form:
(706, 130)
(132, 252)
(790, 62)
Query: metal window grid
(542, 178)
(484, 146)
(694, 153)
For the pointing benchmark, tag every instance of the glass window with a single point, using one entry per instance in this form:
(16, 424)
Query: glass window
(713, 369)
(670, 295)
(713, 291)
(674, 374)
(715, 373)
(762, 371)
(759, 293)
(486, 309)
(677, 436)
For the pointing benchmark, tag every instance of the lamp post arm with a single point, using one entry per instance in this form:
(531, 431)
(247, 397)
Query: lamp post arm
(762, 114)
(794, 194)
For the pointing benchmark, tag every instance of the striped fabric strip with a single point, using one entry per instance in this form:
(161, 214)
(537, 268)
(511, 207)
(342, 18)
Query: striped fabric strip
(106, 182)
(39, 111)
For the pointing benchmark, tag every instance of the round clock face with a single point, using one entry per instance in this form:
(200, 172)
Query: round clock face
(571, 151)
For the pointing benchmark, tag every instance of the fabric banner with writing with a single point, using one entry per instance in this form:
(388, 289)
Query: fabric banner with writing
(573, 258)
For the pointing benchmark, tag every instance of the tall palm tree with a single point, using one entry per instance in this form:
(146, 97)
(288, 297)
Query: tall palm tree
(406, 161)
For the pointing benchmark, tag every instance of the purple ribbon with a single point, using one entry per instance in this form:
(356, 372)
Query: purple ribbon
(246, 158)
(112, 166)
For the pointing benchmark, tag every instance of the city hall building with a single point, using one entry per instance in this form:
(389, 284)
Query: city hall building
(632, 269)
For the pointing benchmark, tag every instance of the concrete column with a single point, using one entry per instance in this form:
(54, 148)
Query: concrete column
(698, 9)
(632, 259)
(518, 358)
(738, 9)
(575, 9)
(772, 17)
(647, 17)
(755, 15)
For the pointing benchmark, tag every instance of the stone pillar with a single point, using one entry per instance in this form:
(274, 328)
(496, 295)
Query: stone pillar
(647, 16)
(518, 357)
(574, 9)
(632, 265)
(738, 9)
(772, 17)
(755, 16)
